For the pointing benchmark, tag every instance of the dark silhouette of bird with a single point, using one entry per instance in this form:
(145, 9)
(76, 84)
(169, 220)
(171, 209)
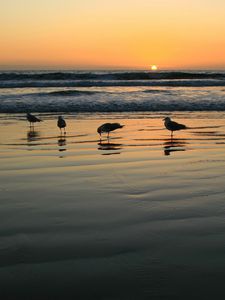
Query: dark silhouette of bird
(173, 126)
(108, 127)
(32, 119)
(61, 124)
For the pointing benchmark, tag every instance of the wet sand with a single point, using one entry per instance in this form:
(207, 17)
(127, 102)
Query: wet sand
(140, 216)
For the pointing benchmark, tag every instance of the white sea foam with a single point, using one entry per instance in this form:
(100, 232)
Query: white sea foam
(111, 91)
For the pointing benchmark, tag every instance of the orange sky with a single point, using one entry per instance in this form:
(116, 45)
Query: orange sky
(113, 34)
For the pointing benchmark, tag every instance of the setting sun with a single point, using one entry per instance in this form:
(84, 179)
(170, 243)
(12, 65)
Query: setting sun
(154, 68)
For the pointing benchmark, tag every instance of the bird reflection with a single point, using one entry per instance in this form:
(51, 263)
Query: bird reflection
(32, 135)
(109, 146)
(62, 144)
(174, 145)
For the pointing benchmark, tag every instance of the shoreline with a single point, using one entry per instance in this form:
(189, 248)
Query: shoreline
(79, 216)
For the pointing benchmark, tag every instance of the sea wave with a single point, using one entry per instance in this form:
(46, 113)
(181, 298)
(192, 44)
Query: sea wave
(110, 78)
(111, 91)
(85, 105)
(112, 83)
(68, 93)
(123, 75)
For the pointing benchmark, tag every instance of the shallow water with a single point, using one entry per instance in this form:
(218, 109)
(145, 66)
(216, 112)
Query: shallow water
(140, 216)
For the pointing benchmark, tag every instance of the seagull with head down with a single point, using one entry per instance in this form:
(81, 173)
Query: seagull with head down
(108, 127)
(32, 119)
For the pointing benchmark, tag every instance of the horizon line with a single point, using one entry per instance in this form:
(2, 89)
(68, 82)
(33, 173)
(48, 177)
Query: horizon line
(106, 68)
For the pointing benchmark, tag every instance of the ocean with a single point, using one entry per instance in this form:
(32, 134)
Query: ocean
(137, 216)
(111, 91)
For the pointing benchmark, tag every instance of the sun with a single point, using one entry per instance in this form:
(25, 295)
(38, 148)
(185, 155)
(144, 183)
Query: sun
(154, 68)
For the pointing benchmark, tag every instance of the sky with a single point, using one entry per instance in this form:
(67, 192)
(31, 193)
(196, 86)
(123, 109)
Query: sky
(123, 34)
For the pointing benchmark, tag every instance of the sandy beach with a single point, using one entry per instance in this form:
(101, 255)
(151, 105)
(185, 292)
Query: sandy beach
(140, 216)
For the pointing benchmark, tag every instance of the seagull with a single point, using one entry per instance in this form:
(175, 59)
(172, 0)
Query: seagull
(61, 124)
(32, 119)
(173, 126)
(107, 127)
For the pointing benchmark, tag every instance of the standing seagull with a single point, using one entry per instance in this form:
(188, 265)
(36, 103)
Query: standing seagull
(173, 126)
(107, 127)
(61, 124)
(32, 119)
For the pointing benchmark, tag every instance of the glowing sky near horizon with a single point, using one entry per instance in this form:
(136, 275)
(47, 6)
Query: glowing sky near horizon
(113, 34)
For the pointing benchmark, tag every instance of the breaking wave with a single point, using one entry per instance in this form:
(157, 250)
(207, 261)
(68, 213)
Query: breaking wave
(109, 105)
(123, 75)
(69, 93)
(110, 91)
(109, 78)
